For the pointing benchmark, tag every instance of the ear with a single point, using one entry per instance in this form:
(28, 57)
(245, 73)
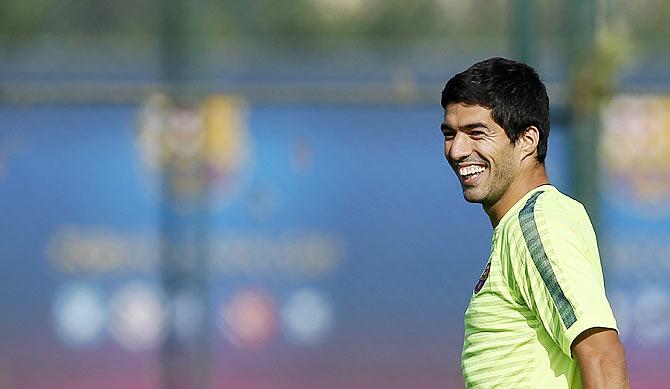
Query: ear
(528, 142)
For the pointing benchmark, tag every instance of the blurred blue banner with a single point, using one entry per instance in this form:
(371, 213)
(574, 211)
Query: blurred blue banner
(340, 252)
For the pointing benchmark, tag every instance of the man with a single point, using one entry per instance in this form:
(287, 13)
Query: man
(538, 317)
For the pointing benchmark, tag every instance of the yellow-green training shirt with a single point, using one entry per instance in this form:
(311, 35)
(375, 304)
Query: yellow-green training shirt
(541, 288)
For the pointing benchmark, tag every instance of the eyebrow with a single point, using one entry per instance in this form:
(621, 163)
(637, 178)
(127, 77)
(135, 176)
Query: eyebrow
(470, 126)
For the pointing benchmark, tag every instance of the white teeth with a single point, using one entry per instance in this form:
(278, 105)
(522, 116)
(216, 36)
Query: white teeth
(464, 171)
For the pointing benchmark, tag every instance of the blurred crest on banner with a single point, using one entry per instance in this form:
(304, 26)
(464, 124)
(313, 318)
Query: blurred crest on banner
(204, 143)
(635, 152)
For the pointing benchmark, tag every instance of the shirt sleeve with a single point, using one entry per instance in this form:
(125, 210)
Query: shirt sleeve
(559, 276)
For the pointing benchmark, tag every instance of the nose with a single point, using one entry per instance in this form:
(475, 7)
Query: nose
(458, 148)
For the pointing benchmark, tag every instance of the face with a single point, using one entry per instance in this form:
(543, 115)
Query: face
(479, 151)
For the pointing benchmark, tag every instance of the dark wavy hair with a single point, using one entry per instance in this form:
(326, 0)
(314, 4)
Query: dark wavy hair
(512, 91)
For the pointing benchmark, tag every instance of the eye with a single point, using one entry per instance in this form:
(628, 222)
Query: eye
(448, 135)
(477, 134)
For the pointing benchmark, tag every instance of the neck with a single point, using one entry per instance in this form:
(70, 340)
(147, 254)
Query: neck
(521, 185)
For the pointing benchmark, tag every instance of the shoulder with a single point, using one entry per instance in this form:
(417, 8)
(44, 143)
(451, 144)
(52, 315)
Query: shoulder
(553, 201)
(549, 218)
(560, 227)
(557, 214)
(547, 206)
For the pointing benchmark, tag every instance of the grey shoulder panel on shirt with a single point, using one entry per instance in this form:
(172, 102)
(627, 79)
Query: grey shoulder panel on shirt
(538, 254)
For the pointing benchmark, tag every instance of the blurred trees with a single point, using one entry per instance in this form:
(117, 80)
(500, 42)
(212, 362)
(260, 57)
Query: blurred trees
(297, 21)
(305, 21)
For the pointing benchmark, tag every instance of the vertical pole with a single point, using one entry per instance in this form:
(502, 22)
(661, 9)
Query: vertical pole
(185, 357)
(583, 101)
(173, 42)
(524, 36)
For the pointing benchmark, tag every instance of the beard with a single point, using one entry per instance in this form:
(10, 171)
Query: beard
(493, 186)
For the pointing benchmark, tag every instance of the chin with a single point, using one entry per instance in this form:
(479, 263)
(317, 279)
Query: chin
(471, 197)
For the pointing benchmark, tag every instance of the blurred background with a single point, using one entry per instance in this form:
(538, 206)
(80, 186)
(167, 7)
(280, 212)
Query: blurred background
(253, 194)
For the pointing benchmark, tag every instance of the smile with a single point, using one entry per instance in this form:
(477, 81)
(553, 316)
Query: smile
(470, 173)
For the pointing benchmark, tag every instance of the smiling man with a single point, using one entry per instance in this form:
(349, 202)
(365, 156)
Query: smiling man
(538, 316)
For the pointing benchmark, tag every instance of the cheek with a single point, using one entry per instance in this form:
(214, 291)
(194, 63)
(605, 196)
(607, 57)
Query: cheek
(499, 154)
(506, 166)
(489, 152)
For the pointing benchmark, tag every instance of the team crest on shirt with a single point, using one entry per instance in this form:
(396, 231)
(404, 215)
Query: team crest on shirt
(482, 278)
